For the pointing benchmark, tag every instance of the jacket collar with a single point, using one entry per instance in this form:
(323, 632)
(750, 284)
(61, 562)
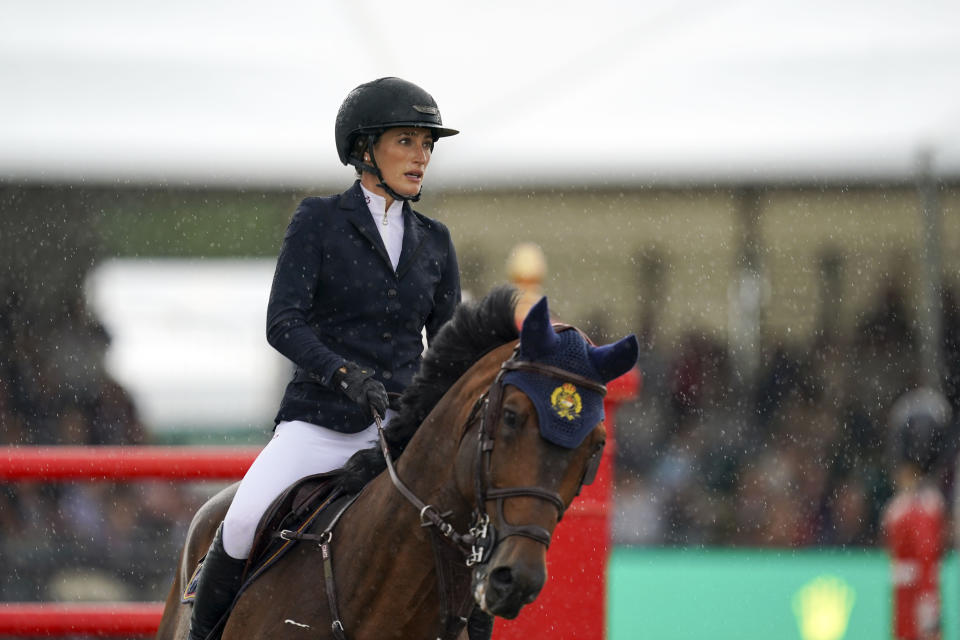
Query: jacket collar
(355, 206)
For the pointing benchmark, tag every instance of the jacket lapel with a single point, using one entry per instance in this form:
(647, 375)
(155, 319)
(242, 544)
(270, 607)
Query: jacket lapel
(358, 213)
(414, 232)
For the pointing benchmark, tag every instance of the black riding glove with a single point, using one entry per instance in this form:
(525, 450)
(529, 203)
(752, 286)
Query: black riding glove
(359, 385)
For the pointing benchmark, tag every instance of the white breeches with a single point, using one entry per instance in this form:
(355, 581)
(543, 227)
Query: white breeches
(298, 449)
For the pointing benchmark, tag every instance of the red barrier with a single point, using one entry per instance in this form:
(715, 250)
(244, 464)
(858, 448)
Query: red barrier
(55, 464)
(571, 605)
(59, 464)
(63, 619)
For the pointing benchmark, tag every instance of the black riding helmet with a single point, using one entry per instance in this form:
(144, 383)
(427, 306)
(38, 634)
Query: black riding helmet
(376, 106)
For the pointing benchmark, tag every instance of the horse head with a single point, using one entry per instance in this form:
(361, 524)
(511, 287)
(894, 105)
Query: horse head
(541, 437)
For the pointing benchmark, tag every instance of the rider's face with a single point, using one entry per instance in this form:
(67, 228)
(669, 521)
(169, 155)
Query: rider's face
(402, 153)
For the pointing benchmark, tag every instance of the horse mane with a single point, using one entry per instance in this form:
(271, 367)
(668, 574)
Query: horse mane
(475, 329)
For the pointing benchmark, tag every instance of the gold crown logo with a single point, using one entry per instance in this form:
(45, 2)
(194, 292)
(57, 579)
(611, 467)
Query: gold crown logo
(566, 401)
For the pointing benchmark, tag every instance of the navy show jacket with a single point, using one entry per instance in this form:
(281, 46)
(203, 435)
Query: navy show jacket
(336, 297)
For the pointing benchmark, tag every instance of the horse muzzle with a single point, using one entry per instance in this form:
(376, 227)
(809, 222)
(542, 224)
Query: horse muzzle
(505, 585)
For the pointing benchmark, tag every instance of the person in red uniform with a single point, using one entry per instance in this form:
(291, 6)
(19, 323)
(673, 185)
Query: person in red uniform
(914, 521)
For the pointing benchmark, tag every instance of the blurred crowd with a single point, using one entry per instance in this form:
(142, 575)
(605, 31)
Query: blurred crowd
(801, 457)
(797, 457)
(79, 540)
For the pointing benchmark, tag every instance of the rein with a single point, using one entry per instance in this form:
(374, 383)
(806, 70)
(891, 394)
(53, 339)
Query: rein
(429, 516)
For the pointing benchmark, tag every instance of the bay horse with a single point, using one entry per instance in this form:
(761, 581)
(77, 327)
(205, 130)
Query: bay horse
(497, 437)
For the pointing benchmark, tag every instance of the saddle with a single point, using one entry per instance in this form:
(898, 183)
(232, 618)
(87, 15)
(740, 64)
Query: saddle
(303, 506)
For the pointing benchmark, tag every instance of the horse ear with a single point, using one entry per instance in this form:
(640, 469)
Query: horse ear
(614, 360)
(537, 337)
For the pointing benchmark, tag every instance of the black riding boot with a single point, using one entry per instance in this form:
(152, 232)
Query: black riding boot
(219, 582)
(479, 625)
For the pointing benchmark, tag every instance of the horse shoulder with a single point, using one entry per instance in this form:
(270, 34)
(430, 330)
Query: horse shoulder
(287, 601)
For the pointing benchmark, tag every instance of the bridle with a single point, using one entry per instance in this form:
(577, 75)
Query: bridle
(487, 439)
(478, 543)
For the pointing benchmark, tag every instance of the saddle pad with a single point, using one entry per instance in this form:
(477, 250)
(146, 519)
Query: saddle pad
(190, 593)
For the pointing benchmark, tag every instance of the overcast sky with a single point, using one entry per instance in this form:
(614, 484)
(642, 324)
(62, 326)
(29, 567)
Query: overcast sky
(546, 92)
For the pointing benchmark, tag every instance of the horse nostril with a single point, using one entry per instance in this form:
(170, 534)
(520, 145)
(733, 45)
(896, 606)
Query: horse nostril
(501, 576)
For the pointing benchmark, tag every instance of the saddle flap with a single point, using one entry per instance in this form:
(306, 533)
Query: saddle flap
(290, 510)
(302, 506)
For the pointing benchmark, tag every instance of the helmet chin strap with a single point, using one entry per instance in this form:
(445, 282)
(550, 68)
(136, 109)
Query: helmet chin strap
(375, 170)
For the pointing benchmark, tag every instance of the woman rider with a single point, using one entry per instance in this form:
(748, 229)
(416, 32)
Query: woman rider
(359, 277)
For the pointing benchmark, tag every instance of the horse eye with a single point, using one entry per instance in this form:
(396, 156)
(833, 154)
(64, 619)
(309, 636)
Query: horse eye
(510, 418)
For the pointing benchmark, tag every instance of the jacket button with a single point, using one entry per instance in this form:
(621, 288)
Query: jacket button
(391, 293)
(387, 336)
(387, 375)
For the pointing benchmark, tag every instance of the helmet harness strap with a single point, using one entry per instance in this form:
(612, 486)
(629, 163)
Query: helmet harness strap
(375, 170)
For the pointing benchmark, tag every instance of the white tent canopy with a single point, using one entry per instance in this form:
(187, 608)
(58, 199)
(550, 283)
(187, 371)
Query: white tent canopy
(217, 92)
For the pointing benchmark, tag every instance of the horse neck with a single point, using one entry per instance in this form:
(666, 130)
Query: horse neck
(428, 468)
(428, 464)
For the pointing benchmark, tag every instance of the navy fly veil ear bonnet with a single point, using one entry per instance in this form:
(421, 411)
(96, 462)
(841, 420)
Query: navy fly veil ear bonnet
(567, 411)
